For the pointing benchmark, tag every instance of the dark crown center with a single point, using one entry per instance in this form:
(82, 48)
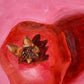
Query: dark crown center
(28, 52)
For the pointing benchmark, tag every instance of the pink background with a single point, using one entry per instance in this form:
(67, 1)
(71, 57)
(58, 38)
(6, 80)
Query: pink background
(44, 11)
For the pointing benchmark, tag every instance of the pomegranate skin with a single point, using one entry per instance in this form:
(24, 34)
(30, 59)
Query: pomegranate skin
(50, 71)
(73, 26)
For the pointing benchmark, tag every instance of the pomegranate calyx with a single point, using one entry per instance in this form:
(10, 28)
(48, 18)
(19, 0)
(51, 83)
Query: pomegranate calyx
(32, 51)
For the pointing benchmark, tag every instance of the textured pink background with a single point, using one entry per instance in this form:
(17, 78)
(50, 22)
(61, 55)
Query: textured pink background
(45, 11)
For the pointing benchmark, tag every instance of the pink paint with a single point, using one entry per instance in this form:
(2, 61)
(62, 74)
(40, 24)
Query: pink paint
(13, 12)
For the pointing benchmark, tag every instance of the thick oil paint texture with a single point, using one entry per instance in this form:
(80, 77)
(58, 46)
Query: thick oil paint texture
(12, 12)
(50, 71)
(73, 27)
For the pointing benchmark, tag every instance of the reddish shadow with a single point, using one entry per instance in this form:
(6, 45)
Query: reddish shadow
(73, 26)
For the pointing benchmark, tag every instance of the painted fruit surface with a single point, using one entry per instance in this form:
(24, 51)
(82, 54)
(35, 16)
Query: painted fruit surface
(73, 27)
(65, 15)
(50, 71)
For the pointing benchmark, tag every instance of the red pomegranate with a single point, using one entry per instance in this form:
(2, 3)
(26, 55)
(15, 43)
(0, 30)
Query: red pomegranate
(35, 53)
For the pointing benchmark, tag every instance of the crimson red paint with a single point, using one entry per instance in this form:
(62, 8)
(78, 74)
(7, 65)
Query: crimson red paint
(50, 71)
(73, 26)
